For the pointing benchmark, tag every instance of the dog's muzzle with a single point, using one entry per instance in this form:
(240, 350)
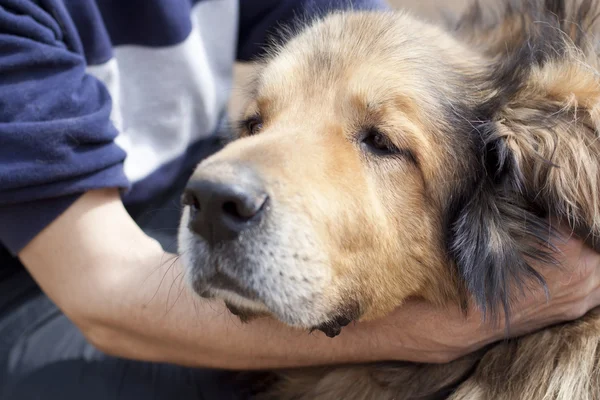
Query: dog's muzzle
(239, 242)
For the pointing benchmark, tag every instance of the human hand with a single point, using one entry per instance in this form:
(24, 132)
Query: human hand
(423, 333)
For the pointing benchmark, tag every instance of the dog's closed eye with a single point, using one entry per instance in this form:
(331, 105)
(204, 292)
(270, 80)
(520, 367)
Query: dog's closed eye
(378, 143)
(251, 125)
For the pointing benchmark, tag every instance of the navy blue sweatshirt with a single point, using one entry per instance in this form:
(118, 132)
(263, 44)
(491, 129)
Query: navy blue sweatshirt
(116, 93)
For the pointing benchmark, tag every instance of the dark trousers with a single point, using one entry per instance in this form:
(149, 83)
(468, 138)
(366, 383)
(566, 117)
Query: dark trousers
(44, 356)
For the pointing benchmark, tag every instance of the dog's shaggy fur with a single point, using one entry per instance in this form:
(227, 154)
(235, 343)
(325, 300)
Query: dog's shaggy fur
(402, 159)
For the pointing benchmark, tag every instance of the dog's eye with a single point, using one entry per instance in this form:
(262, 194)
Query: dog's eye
(378, 143)
(253, 125)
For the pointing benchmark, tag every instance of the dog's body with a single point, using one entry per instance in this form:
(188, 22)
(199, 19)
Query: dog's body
(384, 158)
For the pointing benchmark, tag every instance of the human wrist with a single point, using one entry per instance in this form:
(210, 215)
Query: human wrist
(418, 331)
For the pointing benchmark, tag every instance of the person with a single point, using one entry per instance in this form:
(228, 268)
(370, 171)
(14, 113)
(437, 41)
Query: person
(105, 108)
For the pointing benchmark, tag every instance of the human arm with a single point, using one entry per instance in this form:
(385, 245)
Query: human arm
(56, 138)
(129, 299)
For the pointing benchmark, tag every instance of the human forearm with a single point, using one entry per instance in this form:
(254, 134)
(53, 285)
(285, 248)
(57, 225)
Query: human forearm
(130, 299)
(163, 320)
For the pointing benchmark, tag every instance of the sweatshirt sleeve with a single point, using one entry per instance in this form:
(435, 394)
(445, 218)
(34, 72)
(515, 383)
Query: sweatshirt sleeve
(56, 138)
(261, 19)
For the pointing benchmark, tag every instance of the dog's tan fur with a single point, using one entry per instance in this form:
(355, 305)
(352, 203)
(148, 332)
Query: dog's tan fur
(309, 125)
(381, 225)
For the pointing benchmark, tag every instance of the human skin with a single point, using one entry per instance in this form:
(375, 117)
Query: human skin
(129, 299)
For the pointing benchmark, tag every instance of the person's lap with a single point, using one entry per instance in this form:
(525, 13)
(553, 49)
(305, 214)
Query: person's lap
(44, 356)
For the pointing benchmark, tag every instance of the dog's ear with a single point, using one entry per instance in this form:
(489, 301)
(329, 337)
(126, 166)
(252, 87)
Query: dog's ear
(494, 228)
(493, 234)
(540, 156)
(536, 143)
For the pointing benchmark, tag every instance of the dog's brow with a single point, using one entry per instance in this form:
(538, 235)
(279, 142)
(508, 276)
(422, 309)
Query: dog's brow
(365, 108)
(359, 102)
(263, 105)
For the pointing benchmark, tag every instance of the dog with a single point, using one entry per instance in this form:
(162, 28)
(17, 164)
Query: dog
(382, 158)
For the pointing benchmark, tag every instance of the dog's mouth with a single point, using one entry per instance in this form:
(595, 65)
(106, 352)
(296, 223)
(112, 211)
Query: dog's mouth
(237, 296)
(224, 283)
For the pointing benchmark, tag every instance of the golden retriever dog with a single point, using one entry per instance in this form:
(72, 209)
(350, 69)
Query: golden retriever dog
(383, 158)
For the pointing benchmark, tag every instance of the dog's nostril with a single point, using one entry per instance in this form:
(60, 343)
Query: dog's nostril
(244, 207)
(231, 208)
(189, 198)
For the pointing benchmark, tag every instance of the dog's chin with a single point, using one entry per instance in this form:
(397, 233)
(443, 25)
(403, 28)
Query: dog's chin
(247, 306)
(247, 310)
(267, 273)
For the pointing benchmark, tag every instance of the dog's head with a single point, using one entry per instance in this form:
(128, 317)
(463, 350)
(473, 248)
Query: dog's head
(371, 167)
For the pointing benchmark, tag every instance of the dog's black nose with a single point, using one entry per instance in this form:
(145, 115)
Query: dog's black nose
(220, 210)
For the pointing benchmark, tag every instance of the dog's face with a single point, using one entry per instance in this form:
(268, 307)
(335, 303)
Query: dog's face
(346, 159)
(381, 159)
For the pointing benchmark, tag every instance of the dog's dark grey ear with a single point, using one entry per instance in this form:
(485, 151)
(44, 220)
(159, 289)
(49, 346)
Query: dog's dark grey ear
(492, 233)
